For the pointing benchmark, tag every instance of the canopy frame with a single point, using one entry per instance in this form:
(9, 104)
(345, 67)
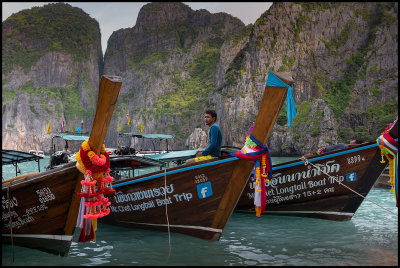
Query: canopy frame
(15, 157)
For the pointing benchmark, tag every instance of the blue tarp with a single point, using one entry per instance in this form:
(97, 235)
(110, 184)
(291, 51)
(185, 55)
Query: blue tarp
(149, 136)
(71, 137)
(176, 155)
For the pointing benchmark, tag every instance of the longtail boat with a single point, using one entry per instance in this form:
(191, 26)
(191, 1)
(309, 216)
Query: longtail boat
(195, 199)
(296, 189)
(63, 156)
(138, 149)
(329, 186)
(40, 210)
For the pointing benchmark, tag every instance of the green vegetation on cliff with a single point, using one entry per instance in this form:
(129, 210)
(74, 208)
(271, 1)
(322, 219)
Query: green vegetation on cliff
(28, 34)
(236, 67)
(67, 96)
(338, 93)
(189, 96)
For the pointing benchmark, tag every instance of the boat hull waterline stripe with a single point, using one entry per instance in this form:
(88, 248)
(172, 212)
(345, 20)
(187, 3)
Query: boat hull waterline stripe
(235, 158)
(313, 212)
(179, 226)
(51, 237)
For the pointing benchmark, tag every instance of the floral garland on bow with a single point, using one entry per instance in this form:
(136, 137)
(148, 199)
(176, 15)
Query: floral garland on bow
(95, 185)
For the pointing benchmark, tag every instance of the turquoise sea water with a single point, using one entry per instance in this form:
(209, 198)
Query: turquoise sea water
(369, 238)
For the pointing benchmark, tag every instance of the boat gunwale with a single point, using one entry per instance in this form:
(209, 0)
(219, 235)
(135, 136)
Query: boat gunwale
(324, 156)
(37, 177)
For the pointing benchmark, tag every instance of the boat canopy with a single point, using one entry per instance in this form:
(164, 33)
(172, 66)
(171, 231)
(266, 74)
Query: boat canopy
(149, 136)
(14, 157)
(175, 155)
(186, 154)
(69, 137)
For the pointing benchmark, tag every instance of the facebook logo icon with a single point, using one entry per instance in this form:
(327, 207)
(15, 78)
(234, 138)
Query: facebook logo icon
(204, 189)
(351, 176)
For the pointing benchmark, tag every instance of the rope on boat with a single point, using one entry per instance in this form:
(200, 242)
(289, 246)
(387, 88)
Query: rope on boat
(166, 211)
(306, 163)
(9, 212)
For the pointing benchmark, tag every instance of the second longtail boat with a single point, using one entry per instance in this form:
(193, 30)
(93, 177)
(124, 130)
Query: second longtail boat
(194, 199)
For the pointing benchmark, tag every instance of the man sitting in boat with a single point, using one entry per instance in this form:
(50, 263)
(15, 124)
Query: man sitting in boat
(214, 139)
(335, 147)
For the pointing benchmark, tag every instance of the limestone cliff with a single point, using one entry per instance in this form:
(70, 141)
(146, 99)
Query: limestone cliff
(176, 63)
(51, 63)
(344, 59)
(170, 62)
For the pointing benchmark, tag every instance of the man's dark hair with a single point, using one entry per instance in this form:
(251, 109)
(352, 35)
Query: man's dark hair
(212, 113)
(359, 141)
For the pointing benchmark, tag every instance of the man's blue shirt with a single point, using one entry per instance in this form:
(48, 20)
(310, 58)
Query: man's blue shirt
(214, 141)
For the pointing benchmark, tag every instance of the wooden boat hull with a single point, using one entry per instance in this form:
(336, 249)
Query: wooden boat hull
(194, 193)
(38, 209)
(299, 190)
(201, 196)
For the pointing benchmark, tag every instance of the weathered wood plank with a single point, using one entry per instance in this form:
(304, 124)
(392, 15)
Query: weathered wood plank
(271, 104)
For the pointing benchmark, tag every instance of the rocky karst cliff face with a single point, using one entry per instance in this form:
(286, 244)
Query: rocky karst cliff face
(168, 62)
(50, 70)
(342, 56)
(176, 63)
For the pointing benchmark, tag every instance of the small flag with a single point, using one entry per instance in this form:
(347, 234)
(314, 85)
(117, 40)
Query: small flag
(79, 130)
(63, 125)
(128, 117)
(48, 128)
(118, 127)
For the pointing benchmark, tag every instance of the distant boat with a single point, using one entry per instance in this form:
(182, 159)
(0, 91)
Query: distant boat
(137, 150)
(38, 153)
(40, 210)
(58, 158)
(195, 199)
(128, 166)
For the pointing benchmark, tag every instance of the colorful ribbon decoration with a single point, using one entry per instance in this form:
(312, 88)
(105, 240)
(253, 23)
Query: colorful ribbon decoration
(96, 184)
(274, 81)
(253, 150)
(389, 149)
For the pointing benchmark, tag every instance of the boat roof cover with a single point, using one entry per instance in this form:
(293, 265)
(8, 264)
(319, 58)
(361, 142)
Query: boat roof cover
(149, 136)
(175, 155)
(185, 154)
(70, 137)
(11, 156)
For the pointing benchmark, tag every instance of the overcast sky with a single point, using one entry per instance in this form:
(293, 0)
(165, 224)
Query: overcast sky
(113, 16)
